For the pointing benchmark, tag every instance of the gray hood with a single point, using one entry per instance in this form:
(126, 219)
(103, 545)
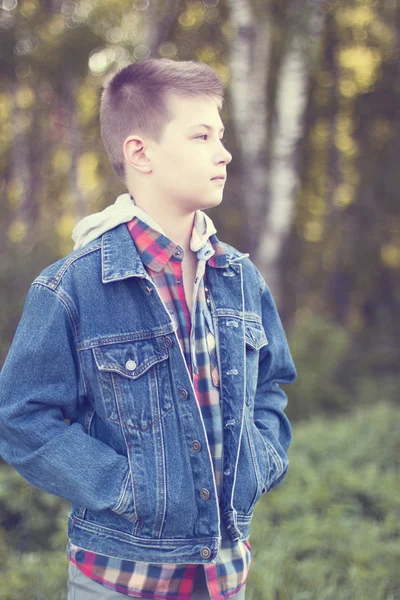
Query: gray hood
(123, 210)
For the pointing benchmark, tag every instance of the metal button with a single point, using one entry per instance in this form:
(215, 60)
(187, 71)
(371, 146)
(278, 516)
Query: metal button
(168, 342)
(204, 493)
(178, 281)
(196, 446)
(183, 394)
(130, 365)
(178, 252)
(205, 552)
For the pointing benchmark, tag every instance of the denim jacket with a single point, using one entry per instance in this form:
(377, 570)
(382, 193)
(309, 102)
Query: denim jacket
(97, 404)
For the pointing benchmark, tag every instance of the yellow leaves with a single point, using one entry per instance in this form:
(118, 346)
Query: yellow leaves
(15, 193)
(347, 88)
(344, 122)
(316, 204)
(168, 49)
(17, 231)
(360, 16)
(344, 195)
(5, 107)
(206, 54)
(362, 63)
(28, 8)
(87, 171)
(320, 133)
(346, 144)
(61, 161)
(65, 225)
(390, 255)
(314, 230)
(87, 103)
(24, 97)
(366, 24)
(51, 30)
(193, 16)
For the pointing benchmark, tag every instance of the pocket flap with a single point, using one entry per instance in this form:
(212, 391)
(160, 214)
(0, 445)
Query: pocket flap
(130, 359)
(255, 335)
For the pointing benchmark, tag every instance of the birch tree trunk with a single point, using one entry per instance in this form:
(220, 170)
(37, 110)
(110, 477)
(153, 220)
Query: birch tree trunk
(291, 100)
(290, 104)
(269, 183)
(249, 66)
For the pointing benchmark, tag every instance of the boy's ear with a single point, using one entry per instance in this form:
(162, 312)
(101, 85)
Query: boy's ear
(135, 154)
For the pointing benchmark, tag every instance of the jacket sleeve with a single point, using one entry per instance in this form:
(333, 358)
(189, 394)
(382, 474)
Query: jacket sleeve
(276, 366)
(39, 388)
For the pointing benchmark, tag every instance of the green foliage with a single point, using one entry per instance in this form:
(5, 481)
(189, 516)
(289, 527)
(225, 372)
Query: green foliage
(30, 519)
(33, 561)
(319, 348)
(330, 530)
(331, 380)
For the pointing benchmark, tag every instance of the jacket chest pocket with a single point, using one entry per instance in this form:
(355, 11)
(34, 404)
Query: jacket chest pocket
(134, 381)
(255, 339)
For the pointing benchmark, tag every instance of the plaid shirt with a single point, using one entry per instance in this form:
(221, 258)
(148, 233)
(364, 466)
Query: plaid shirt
(162, 259)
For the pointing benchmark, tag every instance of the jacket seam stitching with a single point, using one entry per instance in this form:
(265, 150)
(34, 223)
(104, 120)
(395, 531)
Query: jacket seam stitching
(54, 281)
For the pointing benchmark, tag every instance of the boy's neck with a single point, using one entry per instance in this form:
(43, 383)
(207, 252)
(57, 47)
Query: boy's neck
(177, 228)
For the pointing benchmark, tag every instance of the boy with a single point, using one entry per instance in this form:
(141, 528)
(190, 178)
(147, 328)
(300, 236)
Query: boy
(163, 348)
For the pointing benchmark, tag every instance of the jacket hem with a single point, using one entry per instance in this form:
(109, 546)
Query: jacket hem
(117, 544)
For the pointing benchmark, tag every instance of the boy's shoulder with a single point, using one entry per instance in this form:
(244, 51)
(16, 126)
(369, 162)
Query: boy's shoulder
(52, 275)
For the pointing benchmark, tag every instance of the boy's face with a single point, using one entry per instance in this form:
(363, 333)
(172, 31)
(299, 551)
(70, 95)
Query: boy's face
(180, 169)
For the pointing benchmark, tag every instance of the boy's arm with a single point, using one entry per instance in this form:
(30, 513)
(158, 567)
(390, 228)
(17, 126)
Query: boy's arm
(275, 366)
(39, 388)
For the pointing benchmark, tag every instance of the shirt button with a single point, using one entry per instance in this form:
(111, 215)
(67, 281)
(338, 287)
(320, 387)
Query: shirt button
(183, 394)
(130, 365)
(178, 252)
(168, 342)
(196, 446)
(204, 493)
(205, 552)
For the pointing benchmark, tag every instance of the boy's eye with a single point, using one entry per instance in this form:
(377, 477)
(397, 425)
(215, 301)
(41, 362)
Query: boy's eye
(223, 140)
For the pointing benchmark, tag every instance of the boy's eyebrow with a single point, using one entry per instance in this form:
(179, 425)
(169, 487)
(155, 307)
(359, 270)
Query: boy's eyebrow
(207, 127)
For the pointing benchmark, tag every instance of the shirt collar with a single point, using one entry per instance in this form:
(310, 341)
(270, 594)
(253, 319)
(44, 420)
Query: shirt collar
(156, 249)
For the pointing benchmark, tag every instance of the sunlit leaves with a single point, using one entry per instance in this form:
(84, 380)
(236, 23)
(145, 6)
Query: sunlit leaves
(390, 254)
(87, 166)
(363, 63)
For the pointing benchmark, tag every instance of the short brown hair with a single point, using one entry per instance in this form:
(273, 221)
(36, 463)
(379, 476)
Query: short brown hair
(134, 100)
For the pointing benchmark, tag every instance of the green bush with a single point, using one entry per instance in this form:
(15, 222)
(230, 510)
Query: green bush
(335, 372)
(329, 531)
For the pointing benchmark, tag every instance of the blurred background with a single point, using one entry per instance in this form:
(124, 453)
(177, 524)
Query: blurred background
(312, 116)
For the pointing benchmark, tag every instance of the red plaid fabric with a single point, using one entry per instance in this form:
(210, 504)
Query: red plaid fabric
(229, 573)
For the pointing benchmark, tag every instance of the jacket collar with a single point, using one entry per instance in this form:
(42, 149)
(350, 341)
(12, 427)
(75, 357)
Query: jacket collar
(120, 258)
